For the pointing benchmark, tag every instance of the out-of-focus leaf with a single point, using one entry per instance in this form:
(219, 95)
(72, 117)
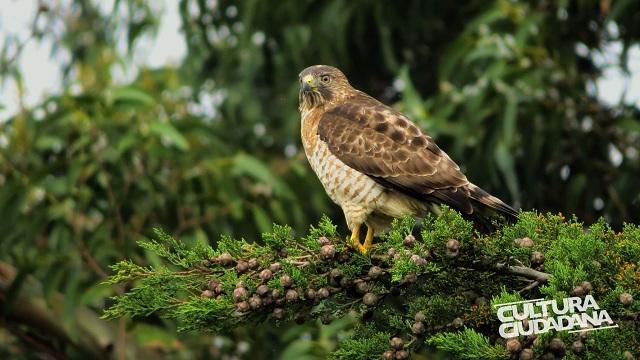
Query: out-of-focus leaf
(244, 164)
(262, 220)
(504, 159)
(509, 119)
(128, 95)
(126, 143)
(168, 132)
(94, 295)
(301, 349)
(412, 103)
(150, 335)
(49, 142)
(630, 124)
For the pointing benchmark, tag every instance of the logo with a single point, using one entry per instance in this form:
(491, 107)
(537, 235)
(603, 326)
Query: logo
(573, 314)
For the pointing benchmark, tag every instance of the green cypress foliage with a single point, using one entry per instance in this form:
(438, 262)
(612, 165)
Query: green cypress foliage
(428, 286)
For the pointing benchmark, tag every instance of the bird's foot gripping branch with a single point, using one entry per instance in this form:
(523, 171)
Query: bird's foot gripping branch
(428, 287)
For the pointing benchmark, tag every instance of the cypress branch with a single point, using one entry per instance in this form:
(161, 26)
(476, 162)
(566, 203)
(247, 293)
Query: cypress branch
(422, 286)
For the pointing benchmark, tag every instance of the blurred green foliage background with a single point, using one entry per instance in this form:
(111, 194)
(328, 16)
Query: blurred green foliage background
(210, 146)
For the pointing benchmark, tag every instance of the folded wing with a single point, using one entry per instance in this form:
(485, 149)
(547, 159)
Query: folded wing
(382, 143)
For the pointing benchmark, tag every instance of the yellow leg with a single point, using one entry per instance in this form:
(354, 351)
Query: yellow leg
(368, 241)
(355, 239)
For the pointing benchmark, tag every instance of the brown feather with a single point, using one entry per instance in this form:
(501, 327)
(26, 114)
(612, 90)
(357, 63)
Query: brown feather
(381, 142)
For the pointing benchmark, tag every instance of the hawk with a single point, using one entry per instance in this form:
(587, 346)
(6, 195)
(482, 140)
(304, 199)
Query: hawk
(375, 163)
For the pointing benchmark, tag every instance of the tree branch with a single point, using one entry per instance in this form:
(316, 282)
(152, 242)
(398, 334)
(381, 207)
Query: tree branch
(529, 273)
(414, 285)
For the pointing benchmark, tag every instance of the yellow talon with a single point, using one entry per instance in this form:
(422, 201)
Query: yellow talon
(368, 241)
(355, 239)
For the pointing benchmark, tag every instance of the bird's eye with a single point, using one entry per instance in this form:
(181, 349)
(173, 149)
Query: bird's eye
(325, 78)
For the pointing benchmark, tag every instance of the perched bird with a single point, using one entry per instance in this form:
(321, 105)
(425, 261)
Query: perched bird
(375, 163)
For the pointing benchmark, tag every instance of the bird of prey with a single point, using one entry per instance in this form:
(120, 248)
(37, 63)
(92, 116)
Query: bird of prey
(375, 163)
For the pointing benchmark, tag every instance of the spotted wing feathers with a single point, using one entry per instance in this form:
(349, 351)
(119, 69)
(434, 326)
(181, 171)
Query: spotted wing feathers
(376, 140)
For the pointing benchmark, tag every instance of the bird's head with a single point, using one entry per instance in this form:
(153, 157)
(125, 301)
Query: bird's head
(322, 85)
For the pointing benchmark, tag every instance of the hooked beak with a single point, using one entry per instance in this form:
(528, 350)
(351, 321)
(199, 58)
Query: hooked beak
(308, 83)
